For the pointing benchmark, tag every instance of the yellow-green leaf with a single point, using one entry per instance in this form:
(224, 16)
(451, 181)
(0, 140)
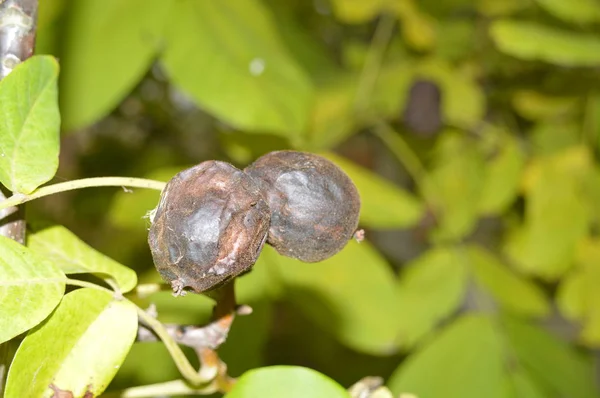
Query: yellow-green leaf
(108, 46)
(464, 360)
(511, 291)
(430, 288)
(29, 124)
(533, 41)
(78, 349)
(352, 295)
(30, 288)
(74, 256)
(556, 217)
(578, 11)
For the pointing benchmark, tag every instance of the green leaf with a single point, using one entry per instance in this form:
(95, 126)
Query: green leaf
(463, 361)
(286, 382)
(30, 288)
(577, 11)
(228, 57)
(29, 125)
(502, 177)
(534, 105)
(74, 256)
(522, 385)
(383, 205)
(553, 362)
(108, 46)
(550, 137)
(78, 349)
(352, 295)
(129, 209)
(578, 294)
(455, 184)
(429, 290)
(545, 244)
(531, 41)
(510, 290)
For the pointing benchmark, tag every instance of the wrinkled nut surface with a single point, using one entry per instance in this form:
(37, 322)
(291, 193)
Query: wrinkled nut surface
(210, 226)
(314, 204)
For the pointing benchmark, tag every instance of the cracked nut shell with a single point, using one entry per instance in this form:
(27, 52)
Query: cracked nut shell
(314, 204)
(210, 226)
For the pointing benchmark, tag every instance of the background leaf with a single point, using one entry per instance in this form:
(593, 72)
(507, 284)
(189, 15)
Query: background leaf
(383, 205)
(74, 256)
(578, 11)
(430, 288)
(109, 46)
(463, 361)
(288, 382)
(29, 125)
(512, 292)
(533, 41)
(351, 295)
(545, 244)
(87, 347)
(551, 361)
(30, 288)
(228, 55)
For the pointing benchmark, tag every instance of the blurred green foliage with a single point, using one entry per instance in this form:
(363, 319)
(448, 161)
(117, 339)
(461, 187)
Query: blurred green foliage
(481, 271)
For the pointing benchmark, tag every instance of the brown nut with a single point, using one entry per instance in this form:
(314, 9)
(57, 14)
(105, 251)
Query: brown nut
(314, 204)
(210, 226)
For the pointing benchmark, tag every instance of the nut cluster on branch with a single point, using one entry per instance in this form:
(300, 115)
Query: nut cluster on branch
(213, 219)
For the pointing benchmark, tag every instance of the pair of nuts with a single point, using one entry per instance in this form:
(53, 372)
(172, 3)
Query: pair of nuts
(213, 219)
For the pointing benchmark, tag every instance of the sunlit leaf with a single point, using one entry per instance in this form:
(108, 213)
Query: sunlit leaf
(522, 385)
(228, 58)
(107, 47)
(465, 360)
(74, 256)
(29, 124)
(383, 205)
(288, 382)
(78, 349)
(30, 288)
(351, 295)
(532, 41)
(429, 290)
(545, 244)
(578, 296)
(502, 177)
(578, 11)
(510, 290)
(554, 363)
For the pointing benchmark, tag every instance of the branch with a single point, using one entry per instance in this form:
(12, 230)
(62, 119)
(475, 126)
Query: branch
(18, 199)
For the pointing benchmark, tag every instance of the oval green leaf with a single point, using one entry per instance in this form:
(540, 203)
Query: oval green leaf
(30, 288)
(74, 256)
(464, 361)
(78, 349)
(577, 11)
(286, 382)
(510, 290)
(383, 205)
(429, 290)
(352, 295)
(29, 124)
(107, 47)
(228, 57)
(532, 41)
